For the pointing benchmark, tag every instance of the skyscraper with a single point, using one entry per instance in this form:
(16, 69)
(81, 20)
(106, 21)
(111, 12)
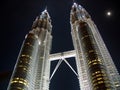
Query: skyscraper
(95, 68)
(32, 68)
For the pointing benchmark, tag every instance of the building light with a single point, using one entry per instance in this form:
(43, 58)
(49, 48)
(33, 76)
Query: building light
(19, 80)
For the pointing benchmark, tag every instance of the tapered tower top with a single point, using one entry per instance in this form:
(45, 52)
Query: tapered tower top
(42, 21)
(45, 14)
(78, 13)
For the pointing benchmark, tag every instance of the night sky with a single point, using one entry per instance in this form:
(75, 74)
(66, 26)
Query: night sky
(17, 16)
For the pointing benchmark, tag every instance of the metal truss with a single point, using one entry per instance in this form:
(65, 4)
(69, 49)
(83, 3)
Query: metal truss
(62, 57)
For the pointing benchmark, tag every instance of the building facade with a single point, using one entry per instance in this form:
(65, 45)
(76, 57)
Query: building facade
(95, 67)
(33, 67)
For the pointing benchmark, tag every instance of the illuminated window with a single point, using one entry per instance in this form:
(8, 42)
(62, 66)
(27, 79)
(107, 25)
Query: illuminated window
(117, 85)
(97, 72)
(29, 44)
(99, 78)
(109, 89)
(23, 67)
(89, 62)
(24, 61)
(98, 75)
(100, 82)
(99, 60)
(23, 55)
(94, 62)
(91, 51)
(20, 80)
(19, 88)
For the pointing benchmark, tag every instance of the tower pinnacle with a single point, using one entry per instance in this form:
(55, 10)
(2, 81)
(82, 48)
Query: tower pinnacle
(42, 21)
(74, 6)
(45, 14)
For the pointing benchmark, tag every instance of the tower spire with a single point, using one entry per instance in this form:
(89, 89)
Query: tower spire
(46, 8)
(42, 21)
(74, 5)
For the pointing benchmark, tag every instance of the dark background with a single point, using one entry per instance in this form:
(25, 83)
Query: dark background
(17, 16)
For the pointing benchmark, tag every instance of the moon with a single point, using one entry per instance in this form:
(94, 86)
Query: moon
(108, 13)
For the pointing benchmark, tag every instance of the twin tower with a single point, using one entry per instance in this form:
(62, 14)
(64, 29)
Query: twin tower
(95, 68)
